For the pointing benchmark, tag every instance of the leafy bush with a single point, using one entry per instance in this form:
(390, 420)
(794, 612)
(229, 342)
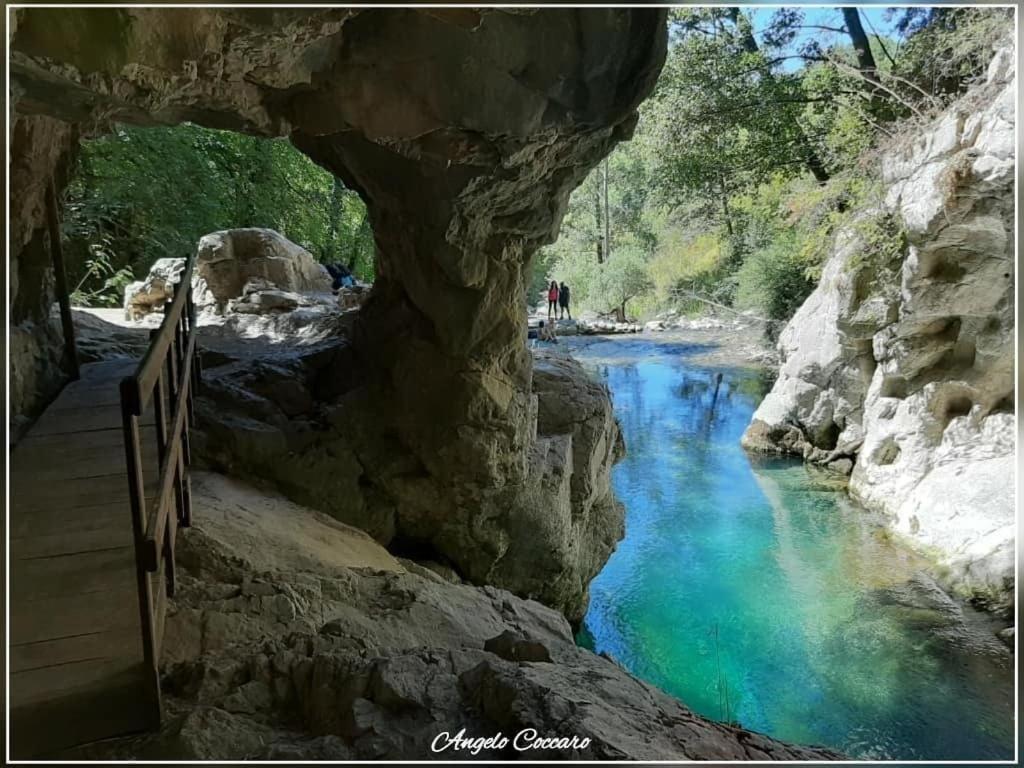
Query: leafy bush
(949, 48)
(102, 285)
(682, 264)
(773, 281)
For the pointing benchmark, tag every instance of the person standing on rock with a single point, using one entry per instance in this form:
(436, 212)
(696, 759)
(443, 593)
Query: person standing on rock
(563, 301)
(552, 299)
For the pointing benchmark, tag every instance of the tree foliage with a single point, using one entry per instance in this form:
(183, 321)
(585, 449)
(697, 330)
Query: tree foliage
(139, 194)
(755, 150)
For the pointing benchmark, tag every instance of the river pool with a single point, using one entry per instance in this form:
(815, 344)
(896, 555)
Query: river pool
(756, 592)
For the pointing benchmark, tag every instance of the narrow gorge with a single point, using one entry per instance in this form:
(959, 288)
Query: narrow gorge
(422, 514)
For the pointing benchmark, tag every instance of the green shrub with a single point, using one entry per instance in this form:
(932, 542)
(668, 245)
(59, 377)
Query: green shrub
(773, 281)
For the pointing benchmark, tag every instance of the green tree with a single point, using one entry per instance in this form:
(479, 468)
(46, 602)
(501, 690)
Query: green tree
(139, 194)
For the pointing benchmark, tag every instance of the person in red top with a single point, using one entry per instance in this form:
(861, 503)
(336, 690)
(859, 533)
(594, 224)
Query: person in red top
(552, 299)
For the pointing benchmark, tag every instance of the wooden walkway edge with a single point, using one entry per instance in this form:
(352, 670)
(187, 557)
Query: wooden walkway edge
(98, 488)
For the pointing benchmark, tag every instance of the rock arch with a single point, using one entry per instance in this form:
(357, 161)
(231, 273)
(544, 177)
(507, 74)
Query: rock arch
(465, 131)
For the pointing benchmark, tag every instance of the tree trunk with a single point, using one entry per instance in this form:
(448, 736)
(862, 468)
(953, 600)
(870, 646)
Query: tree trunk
(726, 213)
(865, 59)
(334, 218)
(607, 216)
(861, 45)
(598, 227)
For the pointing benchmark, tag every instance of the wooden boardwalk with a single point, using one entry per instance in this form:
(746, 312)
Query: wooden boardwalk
(76, 655)
(99, 488)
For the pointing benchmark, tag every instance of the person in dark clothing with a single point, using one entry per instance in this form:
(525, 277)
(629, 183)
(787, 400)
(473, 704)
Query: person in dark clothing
(341, 276)
(563, 301)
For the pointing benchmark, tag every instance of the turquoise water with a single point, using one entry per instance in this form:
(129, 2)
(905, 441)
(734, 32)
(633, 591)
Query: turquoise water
(756, 592)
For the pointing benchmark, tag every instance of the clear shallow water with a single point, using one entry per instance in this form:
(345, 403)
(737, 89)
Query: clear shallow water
(755, 591)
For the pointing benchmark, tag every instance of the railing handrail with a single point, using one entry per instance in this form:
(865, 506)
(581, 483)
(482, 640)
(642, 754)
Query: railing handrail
(166, 377)
(157, 524)
(148, 371)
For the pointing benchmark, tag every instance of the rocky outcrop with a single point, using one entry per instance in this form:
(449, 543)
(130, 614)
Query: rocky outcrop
(296, 419)
(902, 359)
(238, 263)
(273, 653)
(464, 130)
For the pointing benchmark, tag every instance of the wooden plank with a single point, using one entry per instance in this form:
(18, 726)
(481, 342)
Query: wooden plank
(34, 685)
(35, 447)
(81, 419)
(157, 527)
(68, 615)
(108, 369)
(59, 519)
(74, 574)
(79, 397)
(30, 496)
(118, 643)
(117, 532)
(115, 703)
(158, 582)
(89, 454)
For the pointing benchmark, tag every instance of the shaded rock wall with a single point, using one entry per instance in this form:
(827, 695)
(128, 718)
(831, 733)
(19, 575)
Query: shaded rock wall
(41, 148)
(905, 364)
(465, 132)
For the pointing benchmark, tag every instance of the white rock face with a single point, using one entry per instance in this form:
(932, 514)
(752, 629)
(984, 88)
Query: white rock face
(905, 364)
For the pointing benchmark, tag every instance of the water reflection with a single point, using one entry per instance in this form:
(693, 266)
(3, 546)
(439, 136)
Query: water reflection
(758, 593)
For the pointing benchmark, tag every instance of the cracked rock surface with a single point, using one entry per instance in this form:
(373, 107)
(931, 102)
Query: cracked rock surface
(283, 652)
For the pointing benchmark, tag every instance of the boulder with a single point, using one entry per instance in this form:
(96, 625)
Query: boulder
(150, 295)
(905, 364)
(295, 420)
(231, 259)
(352, 297)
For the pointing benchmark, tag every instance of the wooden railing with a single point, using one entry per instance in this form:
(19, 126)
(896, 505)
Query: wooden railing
(166, 379)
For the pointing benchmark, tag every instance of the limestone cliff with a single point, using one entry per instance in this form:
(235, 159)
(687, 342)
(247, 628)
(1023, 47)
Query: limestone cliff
(904, 364)
(465, 131)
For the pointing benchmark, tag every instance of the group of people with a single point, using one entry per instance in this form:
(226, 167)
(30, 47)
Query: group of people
(558, 308)
(558, 301)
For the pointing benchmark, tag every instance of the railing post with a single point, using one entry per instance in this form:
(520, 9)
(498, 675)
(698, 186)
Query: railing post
(130, 411)
(160, 411)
